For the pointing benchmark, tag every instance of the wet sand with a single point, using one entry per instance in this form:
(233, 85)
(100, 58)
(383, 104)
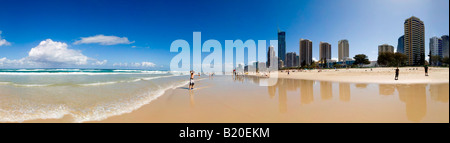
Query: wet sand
(227, 100)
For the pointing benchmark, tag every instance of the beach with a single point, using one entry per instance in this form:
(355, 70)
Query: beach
(300, 97)
(385, 75)
(226, 100)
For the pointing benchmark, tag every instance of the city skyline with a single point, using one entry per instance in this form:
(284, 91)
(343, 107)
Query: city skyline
(134, 35)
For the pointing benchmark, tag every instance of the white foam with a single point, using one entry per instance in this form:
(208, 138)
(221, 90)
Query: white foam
(32, 111)
(123, 81)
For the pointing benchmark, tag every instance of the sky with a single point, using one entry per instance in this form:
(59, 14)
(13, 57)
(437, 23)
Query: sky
(138, 34)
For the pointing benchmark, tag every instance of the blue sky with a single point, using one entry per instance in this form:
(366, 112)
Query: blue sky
(151, 26)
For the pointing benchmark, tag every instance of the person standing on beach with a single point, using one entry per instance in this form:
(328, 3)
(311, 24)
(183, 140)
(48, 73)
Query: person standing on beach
(397, 71)
(426, 70)
(191, 81)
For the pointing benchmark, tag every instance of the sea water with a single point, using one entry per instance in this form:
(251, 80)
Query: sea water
(81, 94)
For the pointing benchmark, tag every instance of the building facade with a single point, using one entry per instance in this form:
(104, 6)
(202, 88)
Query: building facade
(281, 46)
(343, 49)
(305, 52)
(290, 59)
(324, 51)
(444, 45)
(271, 57)
(400, 46)
(385, 48)
(436, 46)
(414, 41)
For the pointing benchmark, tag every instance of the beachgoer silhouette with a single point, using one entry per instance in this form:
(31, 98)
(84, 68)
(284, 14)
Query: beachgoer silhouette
(397, 71)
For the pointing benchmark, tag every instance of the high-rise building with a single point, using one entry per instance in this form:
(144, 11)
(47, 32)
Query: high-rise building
(414, 41)
(324, 51)
(343, 49)
(305, 52)
(282, 46)
(385, 48)
(444, 45)
(400, 46)
(290, 59)
(436, 46)
(270, 56)
(296, 62)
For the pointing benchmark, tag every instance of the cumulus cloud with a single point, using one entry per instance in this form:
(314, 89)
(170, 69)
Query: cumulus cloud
(103, 40)
(148, 64)
(98, 63)
(136, 65)
(6, 62)
(314, 59)
(3, 42)
(52, 53)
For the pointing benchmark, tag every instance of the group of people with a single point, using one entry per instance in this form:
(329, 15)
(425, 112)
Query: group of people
(397, 72)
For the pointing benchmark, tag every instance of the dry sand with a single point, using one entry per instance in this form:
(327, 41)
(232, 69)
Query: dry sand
(408, 75)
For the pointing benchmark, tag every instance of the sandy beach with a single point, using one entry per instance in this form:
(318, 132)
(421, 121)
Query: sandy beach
(360, 96)
(299, 101)
(408, 75)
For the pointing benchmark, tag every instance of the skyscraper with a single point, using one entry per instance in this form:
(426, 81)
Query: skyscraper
(270, 56)
(385, 48)
(305, 52)
(414, 41)
(343, 49)
(324, 51)
(282, 46)
(444, 45)
(400, 46)
(290, 59)
(436, 46)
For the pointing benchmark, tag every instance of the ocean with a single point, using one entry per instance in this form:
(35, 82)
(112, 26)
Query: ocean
(81, 94)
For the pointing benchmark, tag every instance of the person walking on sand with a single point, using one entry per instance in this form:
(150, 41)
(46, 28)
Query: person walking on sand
(396, 73)
(191, 81)
(426, 70)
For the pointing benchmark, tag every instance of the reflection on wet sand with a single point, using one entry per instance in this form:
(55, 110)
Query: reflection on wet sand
(439, 92)
(282, 99)
(386, 89)
(306, 91)
(415, 99)
(191, 98)
(411, 96)
(361, 85)
(344, 91)
(326, 90)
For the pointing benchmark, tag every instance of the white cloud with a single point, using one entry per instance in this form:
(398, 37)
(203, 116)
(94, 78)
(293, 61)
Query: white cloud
(147, 64)
(335, 59)
(314, 59)
(98, 63)
(50, 52)
(103, 40)
(3, 42)
(137, 65)
(5, 62)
